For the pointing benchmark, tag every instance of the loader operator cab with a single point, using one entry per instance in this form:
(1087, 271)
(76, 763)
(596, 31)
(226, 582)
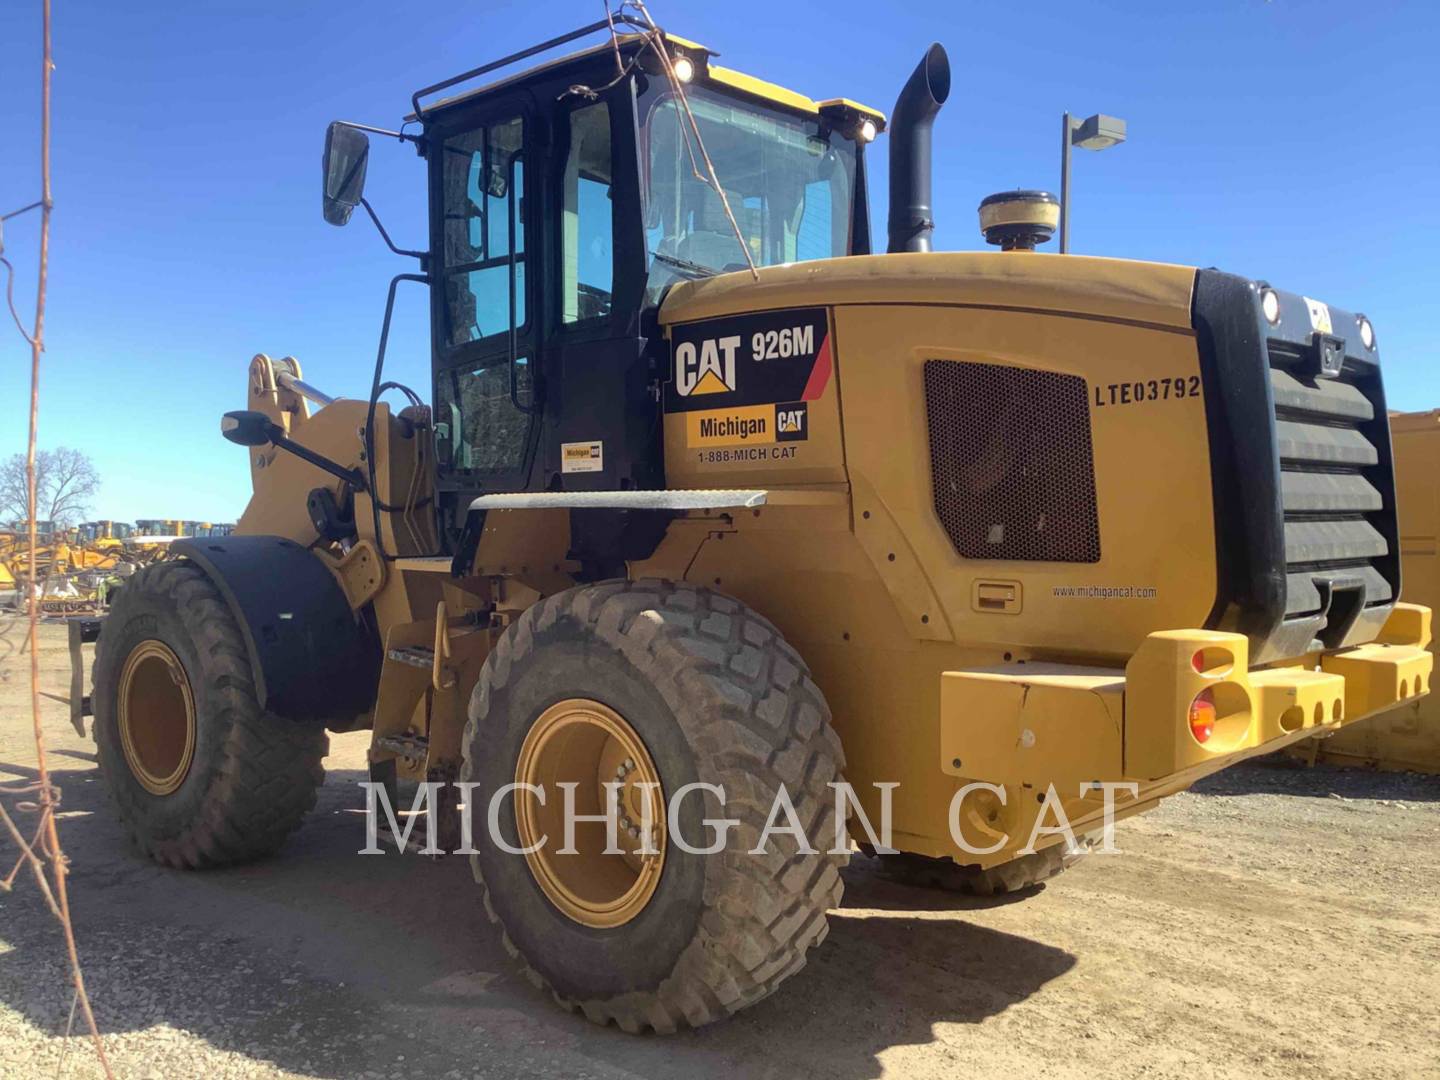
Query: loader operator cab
(564, 202)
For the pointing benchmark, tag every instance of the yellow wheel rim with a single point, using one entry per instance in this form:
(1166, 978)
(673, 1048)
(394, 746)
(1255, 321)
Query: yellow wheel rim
(585, 743)
(157, 717)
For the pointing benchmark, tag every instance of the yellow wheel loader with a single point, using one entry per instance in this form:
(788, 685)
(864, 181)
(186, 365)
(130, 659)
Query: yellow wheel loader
(710, 506)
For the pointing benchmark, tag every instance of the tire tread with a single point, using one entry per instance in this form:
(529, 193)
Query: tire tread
(266, 774)
(757, 721)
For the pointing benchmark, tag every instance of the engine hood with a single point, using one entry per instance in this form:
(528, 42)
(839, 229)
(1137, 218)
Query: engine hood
(1118, 289)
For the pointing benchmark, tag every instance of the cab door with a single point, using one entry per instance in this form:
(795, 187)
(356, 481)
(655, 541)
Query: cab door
(602, 410)
(484, 315)
(543, 380)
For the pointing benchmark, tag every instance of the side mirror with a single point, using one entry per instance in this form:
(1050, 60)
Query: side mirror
(248, 428)
(347, 152)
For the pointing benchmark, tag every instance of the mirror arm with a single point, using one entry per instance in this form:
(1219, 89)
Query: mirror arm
(353, 477)
(401, 135)
(423, 256)
(278, 438)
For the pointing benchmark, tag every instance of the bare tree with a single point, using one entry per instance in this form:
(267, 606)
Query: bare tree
(14, 493)
(65, 482)
(70, 482)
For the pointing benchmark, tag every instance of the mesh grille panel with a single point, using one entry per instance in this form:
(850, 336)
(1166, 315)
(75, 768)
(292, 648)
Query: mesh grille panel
(1011, 462)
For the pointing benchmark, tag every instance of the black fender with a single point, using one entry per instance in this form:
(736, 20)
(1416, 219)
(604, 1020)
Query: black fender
(315, 660)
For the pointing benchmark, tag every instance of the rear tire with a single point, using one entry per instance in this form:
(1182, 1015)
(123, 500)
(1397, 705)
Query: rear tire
(1020, 873)
(200, 774)
(716, 696)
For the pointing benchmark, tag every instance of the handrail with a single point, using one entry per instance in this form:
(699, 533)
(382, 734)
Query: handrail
(606, 24)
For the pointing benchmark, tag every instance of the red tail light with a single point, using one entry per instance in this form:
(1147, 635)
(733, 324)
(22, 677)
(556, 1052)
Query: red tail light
(1202, 716)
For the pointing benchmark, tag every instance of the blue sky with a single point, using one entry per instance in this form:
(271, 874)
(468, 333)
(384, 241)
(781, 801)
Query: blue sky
(1295, 141)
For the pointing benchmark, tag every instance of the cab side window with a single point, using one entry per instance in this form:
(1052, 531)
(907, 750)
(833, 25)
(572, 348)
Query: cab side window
(484, 186)
(815, 235)
(477, 425)
(587, 263)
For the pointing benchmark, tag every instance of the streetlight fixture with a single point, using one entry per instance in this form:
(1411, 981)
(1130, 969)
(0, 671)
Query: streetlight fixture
(1095, 133)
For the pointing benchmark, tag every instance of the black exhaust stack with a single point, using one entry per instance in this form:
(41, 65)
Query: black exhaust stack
(915, 109)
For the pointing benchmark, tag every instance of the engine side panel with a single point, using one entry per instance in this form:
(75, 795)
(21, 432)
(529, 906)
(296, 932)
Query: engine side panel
(1150, 562)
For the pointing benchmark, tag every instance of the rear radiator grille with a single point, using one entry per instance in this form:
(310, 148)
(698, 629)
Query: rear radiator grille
(1011, 462)
(1327, 464)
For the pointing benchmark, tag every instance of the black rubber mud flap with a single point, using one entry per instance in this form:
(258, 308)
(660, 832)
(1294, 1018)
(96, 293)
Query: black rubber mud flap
(314, 659)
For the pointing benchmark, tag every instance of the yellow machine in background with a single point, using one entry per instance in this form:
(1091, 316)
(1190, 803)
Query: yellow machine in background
(78, 568)
(1408, 736)
(66, 569)
(145, 527)
(52, 551)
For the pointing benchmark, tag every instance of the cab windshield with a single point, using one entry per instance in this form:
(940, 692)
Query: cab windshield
(789, 180)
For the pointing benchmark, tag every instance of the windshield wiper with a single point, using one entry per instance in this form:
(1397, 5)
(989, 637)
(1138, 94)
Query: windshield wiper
(684, 264)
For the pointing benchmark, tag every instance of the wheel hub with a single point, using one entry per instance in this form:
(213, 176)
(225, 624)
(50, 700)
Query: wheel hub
(587, 744)
(156, 717)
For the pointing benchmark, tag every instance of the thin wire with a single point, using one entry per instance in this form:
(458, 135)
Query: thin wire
(678, 88)
(10, 298)
(48, 795)
(654, 38)
(593, 92)
(69, 1027)
(614, 39)
(24, 209)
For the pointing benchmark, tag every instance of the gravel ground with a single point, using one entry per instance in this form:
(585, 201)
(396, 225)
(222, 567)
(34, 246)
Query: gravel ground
(1276, 921)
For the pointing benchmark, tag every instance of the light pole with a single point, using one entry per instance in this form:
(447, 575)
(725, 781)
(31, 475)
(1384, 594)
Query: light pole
(1095, 133)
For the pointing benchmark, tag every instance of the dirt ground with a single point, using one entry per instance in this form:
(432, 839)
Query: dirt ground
(1275, 922)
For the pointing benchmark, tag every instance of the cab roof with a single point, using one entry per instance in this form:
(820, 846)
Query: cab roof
(628, 43)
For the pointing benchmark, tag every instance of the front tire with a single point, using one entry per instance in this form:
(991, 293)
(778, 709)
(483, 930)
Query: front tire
(201, 775)
(710, 693)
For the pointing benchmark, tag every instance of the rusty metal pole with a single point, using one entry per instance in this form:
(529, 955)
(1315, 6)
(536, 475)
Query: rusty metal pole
(37, 346)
